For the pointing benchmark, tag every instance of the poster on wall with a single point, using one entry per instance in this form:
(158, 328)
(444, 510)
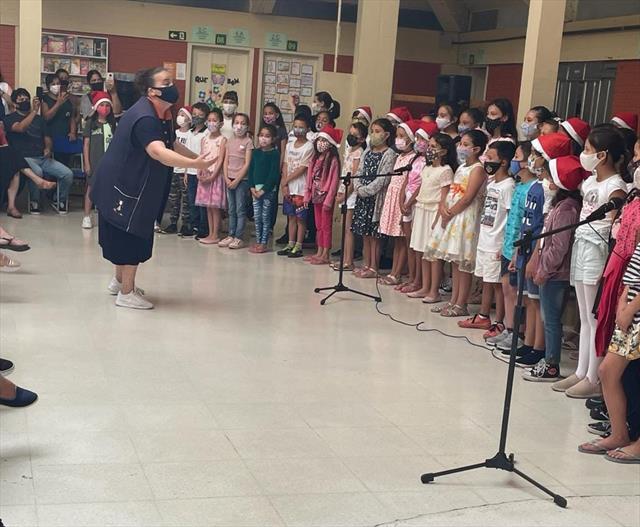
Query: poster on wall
(295, 68)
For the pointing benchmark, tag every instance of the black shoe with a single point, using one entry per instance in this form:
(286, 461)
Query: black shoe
(34, 208)
(295, 252)
(6, 366)
(594, 402)
(23, 398)
(542, 372)
(601, 428)
(187, 232)
(172, 228)
(286, 251)
(60, 208)
(283, 240)
(520, 352)
(599, 414)
(199, 235)
(530, 359)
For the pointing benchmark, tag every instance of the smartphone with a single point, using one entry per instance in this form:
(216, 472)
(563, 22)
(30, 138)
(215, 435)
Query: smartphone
(39, 92)
(110, 77)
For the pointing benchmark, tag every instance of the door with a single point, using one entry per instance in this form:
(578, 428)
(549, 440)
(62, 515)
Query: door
(217, 70)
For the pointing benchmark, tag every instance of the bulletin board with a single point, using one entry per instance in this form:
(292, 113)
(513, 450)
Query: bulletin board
(284, 74)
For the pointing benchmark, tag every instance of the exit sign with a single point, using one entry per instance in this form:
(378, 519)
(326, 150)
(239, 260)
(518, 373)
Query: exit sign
(292, 45)
(177, 35)
(221, 39)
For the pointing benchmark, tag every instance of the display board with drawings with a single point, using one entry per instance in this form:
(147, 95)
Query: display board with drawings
(284, 75)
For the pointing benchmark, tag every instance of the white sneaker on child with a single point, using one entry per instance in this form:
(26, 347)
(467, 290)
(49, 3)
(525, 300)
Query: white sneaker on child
(86, 222)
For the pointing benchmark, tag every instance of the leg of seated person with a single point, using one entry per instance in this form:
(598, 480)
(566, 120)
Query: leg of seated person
(35, 163)
(12, 192)
(61, 173)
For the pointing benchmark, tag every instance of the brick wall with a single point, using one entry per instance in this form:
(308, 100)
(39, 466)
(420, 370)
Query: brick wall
(503, 80)
(626, 90)
(8, 53)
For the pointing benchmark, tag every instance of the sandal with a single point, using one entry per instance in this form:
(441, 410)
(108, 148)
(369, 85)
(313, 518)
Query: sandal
(455, 311)
(359, 270)
(318, 261)
(409, 288)
(389, 280)
(592, 448)
(629, 459)
(14, 214)
(11, 246)
(8, 265)
(346, 268)
(431, 300)
(415, 294)
(369, 273)
(440, 309)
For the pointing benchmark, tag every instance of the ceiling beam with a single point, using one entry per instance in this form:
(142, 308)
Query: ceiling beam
(453, 16)
(262, 7)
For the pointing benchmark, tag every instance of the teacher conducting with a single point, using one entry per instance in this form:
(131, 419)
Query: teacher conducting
(130, 182)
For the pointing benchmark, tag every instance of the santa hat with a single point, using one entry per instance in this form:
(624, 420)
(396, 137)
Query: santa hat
(552, 146)
(366, 112)
(577, 129)
(567, 172)
(427, 130)
(331, 134)
(626, 120)
(411, 127)
(98, 97)
(186, 109)
(400, 114)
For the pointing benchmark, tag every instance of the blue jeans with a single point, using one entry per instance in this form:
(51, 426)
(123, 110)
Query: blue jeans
(551, 304)
(198, 215)
(237, 199)
(50, 169)
(262, 209)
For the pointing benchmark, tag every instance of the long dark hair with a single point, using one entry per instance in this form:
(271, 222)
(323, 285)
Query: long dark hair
(144, 79)
(332, 153)
(447, 142)
(542, 113)
(325, 98)
(362, 130)
(279, 121)
(478, 138)
(476, 115)
(608, 138)
(508, 127)
(386, 125)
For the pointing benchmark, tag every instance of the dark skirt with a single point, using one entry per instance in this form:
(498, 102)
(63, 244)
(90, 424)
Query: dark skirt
(10, 164)
(121, 247)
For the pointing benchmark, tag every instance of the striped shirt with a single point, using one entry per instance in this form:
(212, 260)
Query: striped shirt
(632, 280)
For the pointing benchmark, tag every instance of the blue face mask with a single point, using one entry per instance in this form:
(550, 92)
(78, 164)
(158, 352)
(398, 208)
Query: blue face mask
(528, 129)
(514, 167)
(463, 128)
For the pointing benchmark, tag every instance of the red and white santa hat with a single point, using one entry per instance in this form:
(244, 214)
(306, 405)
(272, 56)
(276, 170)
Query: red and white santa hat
(98, 97)
(567, 172)
(427, 130)
(577, 129)
(400, 114)
(366, 112)
(411, 127)
(186, 109)
(552, 146)
(331, 134)
(626, 120)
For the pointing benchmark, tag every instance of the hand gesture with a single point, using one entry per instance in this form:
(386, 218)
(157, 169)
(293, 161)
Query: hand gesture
(624, 317)
(110, 85)
(340, 198)
(35, 105)
(294, 100)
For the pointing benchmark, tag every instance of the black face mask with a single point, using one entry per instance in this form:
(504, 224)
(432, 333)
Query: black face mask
(197, 121)
(492, 124)
(97, 86)
(352, 140)
(64, 82)
(168, 94)
(24, 106)
(491, 167)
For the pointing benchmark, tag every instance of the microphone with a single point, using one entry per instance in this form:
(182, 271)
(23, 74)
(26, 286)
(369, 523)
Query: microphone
(407, 168)
(601, 212)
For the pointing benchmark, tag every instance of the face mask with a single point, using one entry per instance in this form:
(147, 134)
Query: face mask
(548, 195)
(377, 139)
(431, 155)
(24, 106)
(213, 126)
(197, 121)
(55, 89)
(463, 153)
(103, 111)
(462, 128)
(319, 125)
(299, 131)
(229, 108)
(181, 120)
(315, 107)
(239, 129)
(168, 94)
(442, 122)
(264, 141)
(269, 119)
(322, 145)
(491, 167)
(352, 140)
(421, 146)
(97, 86)
(401, 144)
(492, 124)
(514, 167)
(528, 130)
(531, 162)
(589, 161)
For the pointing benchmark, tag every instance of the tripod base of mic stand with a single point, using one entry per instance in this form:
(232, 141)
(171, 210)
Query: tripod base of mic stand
(502, 462)
(341, 288)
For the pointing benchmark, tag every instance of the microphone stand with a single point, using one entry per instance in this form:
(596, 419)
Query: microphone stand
(340, 287)
(500, 460)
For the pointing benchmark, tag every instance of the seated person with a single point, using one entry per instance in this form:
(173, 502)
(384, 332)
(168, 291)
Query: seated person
(27, 133)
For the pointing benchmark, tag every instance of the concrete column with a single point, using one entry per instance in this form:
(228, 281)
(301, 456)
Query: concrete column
(29, 33)
(541, 54)
(375, 52)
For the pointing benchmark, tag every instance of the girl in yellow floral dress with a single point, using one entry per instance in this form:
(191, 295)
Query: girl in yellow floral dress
(455, 237)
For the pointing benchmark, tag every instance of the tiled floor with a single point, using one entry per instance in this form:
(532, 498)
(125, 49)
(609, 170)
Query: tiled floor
(240, 401)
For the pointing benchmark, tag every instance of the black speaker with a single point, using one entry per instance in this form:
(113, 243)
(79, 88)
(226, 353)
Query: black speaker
(453, 89)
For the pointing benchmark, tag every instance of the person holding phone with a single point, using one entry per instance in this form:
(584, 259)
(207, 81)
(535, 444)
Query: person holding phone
(57, 110)
(96, 82)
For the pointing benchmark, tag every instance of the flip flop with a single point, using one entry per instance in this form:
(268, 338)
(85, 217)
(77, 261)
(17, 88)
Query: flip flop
(599, 451)
(415, 294)
(431, 300)
(10, 246)
(629, 460)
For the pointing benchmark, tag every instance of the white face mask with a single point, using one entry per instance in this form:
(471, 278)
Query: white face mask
(401, 144)
(229, 108)
(531, 166)
(528, 130)
(55, 89)
(442, 122)
(239, 129)
(590, 161)
(549, 194)
(182, 121)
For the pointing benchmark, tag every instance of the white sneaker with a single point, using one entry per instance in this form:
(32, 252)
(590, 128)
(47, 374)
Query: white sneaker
(156, 227)
(133, 300)
(86, 222)
(492, 341)
(114, 287)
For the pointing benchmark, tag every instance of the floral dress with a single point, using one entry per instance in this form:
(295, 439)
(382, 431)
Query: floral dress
(391, 216)
(458, 240)
(363, 224)
(212, 194)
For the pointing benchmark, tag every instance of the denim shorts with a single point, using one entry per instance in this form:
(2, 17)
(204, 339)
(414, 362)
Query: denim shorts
(294, 206)
(530, 288)
(504, 269)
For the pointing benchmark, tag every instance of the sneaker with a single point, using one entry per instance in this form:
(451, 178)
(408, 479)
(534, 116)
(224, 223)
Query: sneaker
(594, 402)
(530, 359)
(114, 287)
(475, 322)
(283, 240)
(133, 300)
(156, 227)
(86, 222)
(60, 208)
(599, 414)
(237, 243)
(601, 428)
(172, 228)
(226, 241)
(34, 208)
(445, 287)
(6, 366)
(296, 252)
(286, 250)
(542, 372)
(505, 345)
(186, 232)
(565, 384)
(493, 341)
(584, 389)
(521, 351)
(495, 330)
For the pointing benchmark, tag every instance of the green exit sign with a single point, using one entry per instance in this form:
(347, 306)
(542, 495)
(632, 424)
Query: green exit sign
(221, 39)
(292, 45)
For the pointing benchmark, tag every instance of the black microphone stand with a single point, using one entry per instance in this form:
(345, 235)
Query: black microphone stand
(340, 287)
(500, 460)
